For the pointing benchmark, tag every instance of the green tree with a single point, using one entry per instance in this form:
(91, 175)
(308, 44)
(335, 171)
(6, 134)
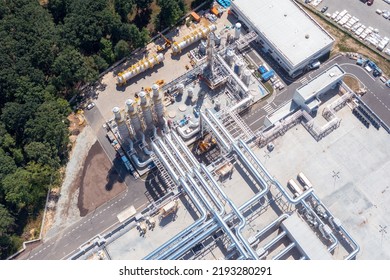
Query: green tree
(71, 68)
(7, 166)
(41, 153)
(196, 3)
(133, 36)
(100, 63)
(19, 190)
(106, 51)
(171, 12)
(27, 188)
(87, 22)
(50, 126)
(7, 222)
(121, 49)
(15, 115)
(58, 8)
(123, 8)
(143, 4)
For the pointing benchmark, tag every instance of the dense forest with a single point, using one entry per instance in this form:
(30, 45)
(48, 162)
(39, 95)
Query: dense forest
(48, 50)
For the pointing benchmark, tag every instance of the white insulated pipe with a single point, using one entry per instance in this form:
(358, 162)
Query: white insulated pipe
(193, 37)
(185, 149)
(233, 74)
(138, 68)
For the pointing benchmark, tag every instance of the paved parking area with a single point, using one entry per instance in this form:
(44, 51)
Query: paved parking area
(366, 14)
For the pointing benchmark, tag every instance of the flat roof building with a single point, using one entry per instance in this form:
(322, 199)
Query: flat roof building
(291, 36)
(308, 96)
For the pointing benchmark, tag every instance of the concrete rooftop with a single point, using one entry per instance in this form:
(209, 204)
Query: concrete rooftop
(291, 30)
(349, 171)
(320, 82)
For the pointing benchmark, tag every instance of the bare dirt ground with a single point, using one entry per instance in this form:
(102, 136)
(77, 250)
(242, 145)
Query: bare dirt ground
(352, 83)
(90, 180)
(99, 181)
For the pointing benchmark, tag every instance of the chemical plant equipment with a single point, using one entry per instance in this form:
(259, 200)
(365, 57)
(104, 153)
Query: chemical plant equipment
(237, 31)
(139, 67)
(206, 145)
(192, 38)
(167, 43)
(131, 108)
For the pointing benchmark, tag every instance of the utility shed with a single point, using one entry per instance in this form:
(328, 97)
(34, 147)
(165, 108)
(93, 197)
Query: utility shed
(308, 95)
(306, 240)
(285, 31)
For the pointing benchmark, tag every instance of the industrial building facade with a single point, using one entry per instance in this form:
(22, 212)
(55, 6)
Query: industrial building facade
(285, 31)
(308, 96)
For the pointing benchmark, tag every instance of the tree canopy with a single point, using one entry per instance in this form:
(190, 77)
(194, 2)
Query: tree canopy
(171, 12)
(47, 53)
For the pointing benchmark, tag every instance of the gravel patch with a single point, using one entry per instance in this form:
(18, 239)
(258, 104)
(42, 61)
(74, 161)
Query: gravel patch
(67, 211)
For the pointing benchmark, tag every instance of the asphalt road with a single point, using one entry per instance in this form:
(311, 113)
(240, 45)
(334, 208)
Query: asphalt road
(105, 216)
(377, 96)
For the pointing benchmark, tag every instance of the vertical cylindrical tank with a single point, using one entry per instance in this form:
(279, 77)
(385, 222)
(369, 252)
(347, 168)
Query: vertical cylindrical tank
(230, 57)
(158, 104)
(142, 96)
(190, 92)
(202, 47)
(217, 39)
(237, 31)
(228, 38)
(246, 77)
(239, 67)
(146, 110)
(155, 90)
(117, 114)
(217, 105)
(120, 120)
(180, 88)
(134, 118)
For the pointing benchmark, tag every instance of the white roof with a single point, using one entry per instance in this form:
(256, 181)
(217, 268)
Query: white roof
(305, 238)
(286, 26)
(320, 82)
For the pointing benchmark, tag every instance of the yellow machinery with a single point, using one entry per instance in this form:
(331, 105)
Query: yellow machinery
(206, 144)
(160, 83)
(170, 208)
(167, 44)
(193, 37)
(139, 67)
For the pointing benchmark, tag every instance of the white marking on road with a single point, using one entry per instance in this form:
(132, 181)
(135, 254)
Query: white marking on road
(268, 108)
(259, 119)
(77, 237)
(102, 221)
(67, 244)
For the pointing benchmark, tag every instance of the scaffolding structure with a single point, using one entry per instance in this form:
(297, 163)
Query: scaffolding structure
(245, 40)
